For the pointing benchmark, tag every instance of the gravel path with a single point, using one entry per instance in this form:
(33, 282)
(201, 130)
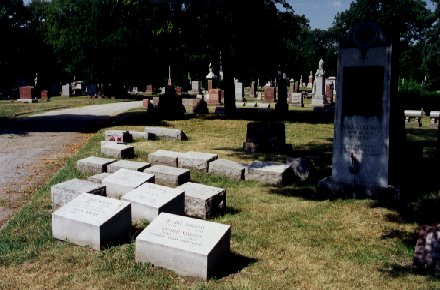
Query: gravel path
(34, 148)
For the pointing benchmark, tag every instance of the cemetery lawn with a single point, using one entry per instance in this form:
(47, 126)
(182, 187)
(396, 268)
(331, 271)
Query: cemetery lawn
(283, 237)
(13, 109)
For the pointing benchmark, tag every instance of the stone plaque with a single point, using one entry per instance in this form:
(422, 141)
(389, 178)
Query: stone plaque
(92, 220)
(187, 246)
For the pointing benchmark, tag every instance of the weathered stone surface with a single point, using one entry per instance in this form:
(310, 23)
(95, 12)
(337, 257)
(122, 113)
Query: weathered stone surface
(127, 164)
(116, 150)
(196, 160)
(65, 191)
(137, 135)
(93, 165)
(167, 175)
(118, 136)
(203, 201)
(302, 168)
(164, 157)
(162, 132)
(97, 178)
(268, 172)
(124, 180)
(91, 220)
(149, 200)
(187, 246)
(229, 168)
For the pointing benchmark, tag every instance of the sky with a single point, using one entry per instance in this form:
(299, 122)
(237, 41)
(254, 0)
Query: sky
(320, 13)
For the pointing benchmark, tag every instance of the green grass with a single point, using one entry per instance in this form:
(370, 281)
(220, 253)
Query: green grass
(282, 237)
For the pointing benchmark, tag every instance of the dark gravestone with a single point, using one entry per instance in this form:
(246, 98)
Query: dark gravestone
(270, 94)
(281, 105)
(26, 92)
(170, 104)
(266, 137)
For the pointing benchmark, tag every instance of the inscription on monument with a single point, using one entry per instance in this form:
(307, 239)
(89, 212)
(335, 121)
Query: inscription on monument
(182, 231)
(362, 139)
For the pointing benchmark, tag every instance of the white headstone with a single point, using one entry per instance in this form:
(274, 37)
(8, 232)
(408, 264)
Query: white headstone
(92, 220)
(124, 180)
(190, 247)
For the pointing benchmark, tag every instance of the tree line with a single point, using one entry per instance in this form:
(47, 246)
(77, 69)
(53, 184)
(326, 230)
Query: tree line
(134, 41)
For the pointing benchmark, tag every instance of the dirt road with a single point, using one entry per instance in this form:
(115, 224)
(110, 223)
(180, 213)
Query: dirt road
(34, 148)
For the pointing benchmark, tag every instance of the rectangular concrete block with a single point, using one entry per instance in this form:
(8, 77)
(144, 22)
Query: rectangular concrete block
(168, 133)
(118, 136)
(268, 172)
(196, 160)
(229, 168)
(190, 247)
(124, 180)
(137, 135)
(127, 164)
(149, 200)
(97, 178)
(167, 175)
(64, 192)
(93, 165)
(91, 220)
(116, 150)
(164, 157)
(203, 201)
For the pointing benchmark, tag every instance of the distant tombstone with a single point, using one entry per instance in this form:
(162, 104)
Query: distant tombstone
(270, 94)
(170, 104)
(253, 90)
(44, 95)
(310, 83)
(149, 89)
(25, 92)
(65, 90)
(319, 87)
(215, 97)
(239, 90)
(210, 77)
(196, 87)
(266, 137)
(363, 143)
(297, 99)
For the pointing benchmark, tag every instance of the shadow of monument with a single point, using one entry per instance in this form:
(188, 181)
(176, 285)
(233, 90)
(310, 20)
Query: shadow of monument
(232, 265)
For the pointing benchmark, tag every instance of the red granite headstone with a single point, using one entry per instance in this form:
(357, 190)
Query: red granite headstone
(215, 96)
(270, 94)
(26, 92)
(178, 90)
(44, 95)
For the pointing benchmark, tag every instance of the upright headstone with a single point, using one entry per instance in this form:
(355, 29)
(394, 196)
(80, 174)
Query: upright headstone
(310, 83)
(210, 77)
(363, 140)
(65, 90)
(25, 92)
(319, 87)
(196, 87)
(253, 90)
(239, 90)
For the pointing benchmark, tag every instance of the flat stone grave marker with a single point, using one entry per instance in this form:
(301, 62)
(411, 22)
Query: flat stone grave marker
(196, 160)
(170, 133)
(127, 164)
(92, 220)
(97, 178)
(167, 175)
(203, 201)
(226, 167)
(118, 136)
(190, 247)
(268, 172)
(137, 135)
(64, 192)
(113, 149)
(164, 157)
(149, 200)
(124, 180)
(93, 165)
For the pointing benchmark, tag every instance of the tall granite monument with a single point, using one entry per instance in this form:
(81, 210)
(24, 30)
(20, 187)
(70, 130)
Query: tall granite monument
(363, 140)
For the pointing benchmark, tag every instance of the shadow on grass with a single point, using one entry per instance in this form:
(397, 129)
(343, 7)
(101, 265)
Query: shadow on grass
(233, 264)
(405, 270)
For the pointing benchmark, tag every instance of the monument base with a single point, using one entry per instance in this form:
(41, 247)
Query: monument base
(27, 100)
(318, 101)
(350, 190)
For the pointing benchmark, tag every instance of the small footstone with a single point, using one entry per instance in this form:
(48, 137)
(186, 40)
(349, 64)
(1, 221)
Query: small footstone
(229, 168)
(203, 201)
(168, 133)
(167, 175)
(196, 160)
(124, 180)
(268, 172)
(97, 178)
(149, 200)
(65, 191)
(190, 247)
(93, 165)
(164, 157)
(127, 164)
(113, 149)
(91, 220)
